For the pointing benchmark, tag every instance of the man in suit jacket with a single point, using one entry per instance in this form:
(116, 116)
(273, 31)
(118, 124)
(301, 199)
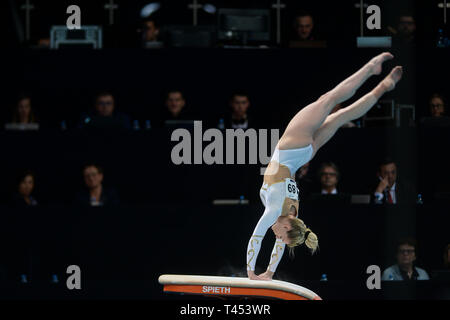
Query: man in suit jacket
(238, 117)
(390, 190)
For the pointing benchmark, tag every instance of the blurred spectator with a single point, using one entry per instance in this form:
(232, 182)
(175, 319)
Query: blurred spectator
(175, 103)
(150, 33)
(304, 26)
(389, 189)
(437, 107)
(447, 257)
(23, 117)
(25, 187)
(304, 32)
(238, 117)
(329, 178)
(405, 268)
(105, 115)
(150, 30)
(176, 109)
(349, 124)
(96, 194)
(406, 30)
(304, 181)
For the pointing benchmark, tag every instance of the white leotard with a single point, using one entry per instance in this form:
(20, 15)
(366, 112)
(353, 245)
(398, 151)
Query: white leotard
(278, 193)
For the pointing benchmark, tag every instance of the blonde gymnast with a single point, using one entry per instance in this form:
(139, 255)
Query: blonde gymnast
(305, 134)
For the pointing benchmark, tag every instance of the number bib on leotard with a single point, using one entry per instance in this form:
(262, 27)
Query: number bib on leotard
(291, 189)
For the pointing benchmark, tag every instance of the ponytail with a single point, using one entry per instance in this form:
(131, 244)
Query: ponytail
(311, 241)
(300, 234)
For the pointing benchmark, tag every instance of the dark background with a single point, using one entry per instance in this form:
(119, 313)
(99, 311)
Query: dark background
(337, 22)
(123, 251)
(279, 82)
(166, 223)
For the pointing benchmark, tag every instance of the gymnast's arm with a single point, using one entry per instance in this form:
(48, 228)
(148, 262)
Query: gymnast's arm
(275, 258)
(269, 217)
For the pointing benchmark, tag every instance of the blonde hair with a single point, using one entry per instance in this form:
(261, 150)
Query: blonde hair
(301, 234)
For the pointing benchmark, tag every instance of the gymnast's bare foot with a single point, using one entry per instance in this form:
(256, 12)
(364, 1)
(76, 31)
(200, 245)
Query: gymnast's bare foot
(376, 63)
(392, 78)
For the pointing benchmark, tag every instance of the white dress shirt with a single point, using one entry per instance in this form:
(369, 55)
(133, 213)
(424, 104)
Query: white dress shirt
(334, 191)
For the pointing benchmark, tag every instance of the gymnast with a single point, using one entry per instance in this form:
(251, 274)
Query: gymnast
(306, 133)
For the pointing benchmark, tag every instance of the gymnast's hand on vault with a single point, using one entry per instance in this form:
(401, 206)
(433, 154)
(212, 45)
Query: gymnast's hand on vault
(266, 275)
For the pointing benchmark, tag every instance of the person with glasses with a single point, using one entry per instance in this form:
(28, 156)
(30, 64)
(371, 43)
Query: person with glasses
(329, 178)
(437, 112)
(105, 115)
(437, 105)
(405, 268)
(95, 194)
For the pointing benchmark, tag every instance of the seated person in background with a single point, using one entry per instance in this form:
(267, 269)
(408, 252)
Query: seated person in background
(304, 26)
(405, 269)
(437, 109)
(175, 103)
(349, 124)
(403, 30)
(329, 178)
(304, 182)
(175, 107)
(96, 194)
(23, 117)
(105, 115)
(238, 118)
(437, 106)
(406, 30)
(150, 33)
(24, 191)
(304, 35)
(389, 190)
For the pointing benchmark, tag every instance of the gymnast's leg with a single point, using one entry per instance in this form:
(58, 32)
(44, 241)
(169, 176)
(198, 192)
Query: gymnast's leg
(300, 130)
(356, 110)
